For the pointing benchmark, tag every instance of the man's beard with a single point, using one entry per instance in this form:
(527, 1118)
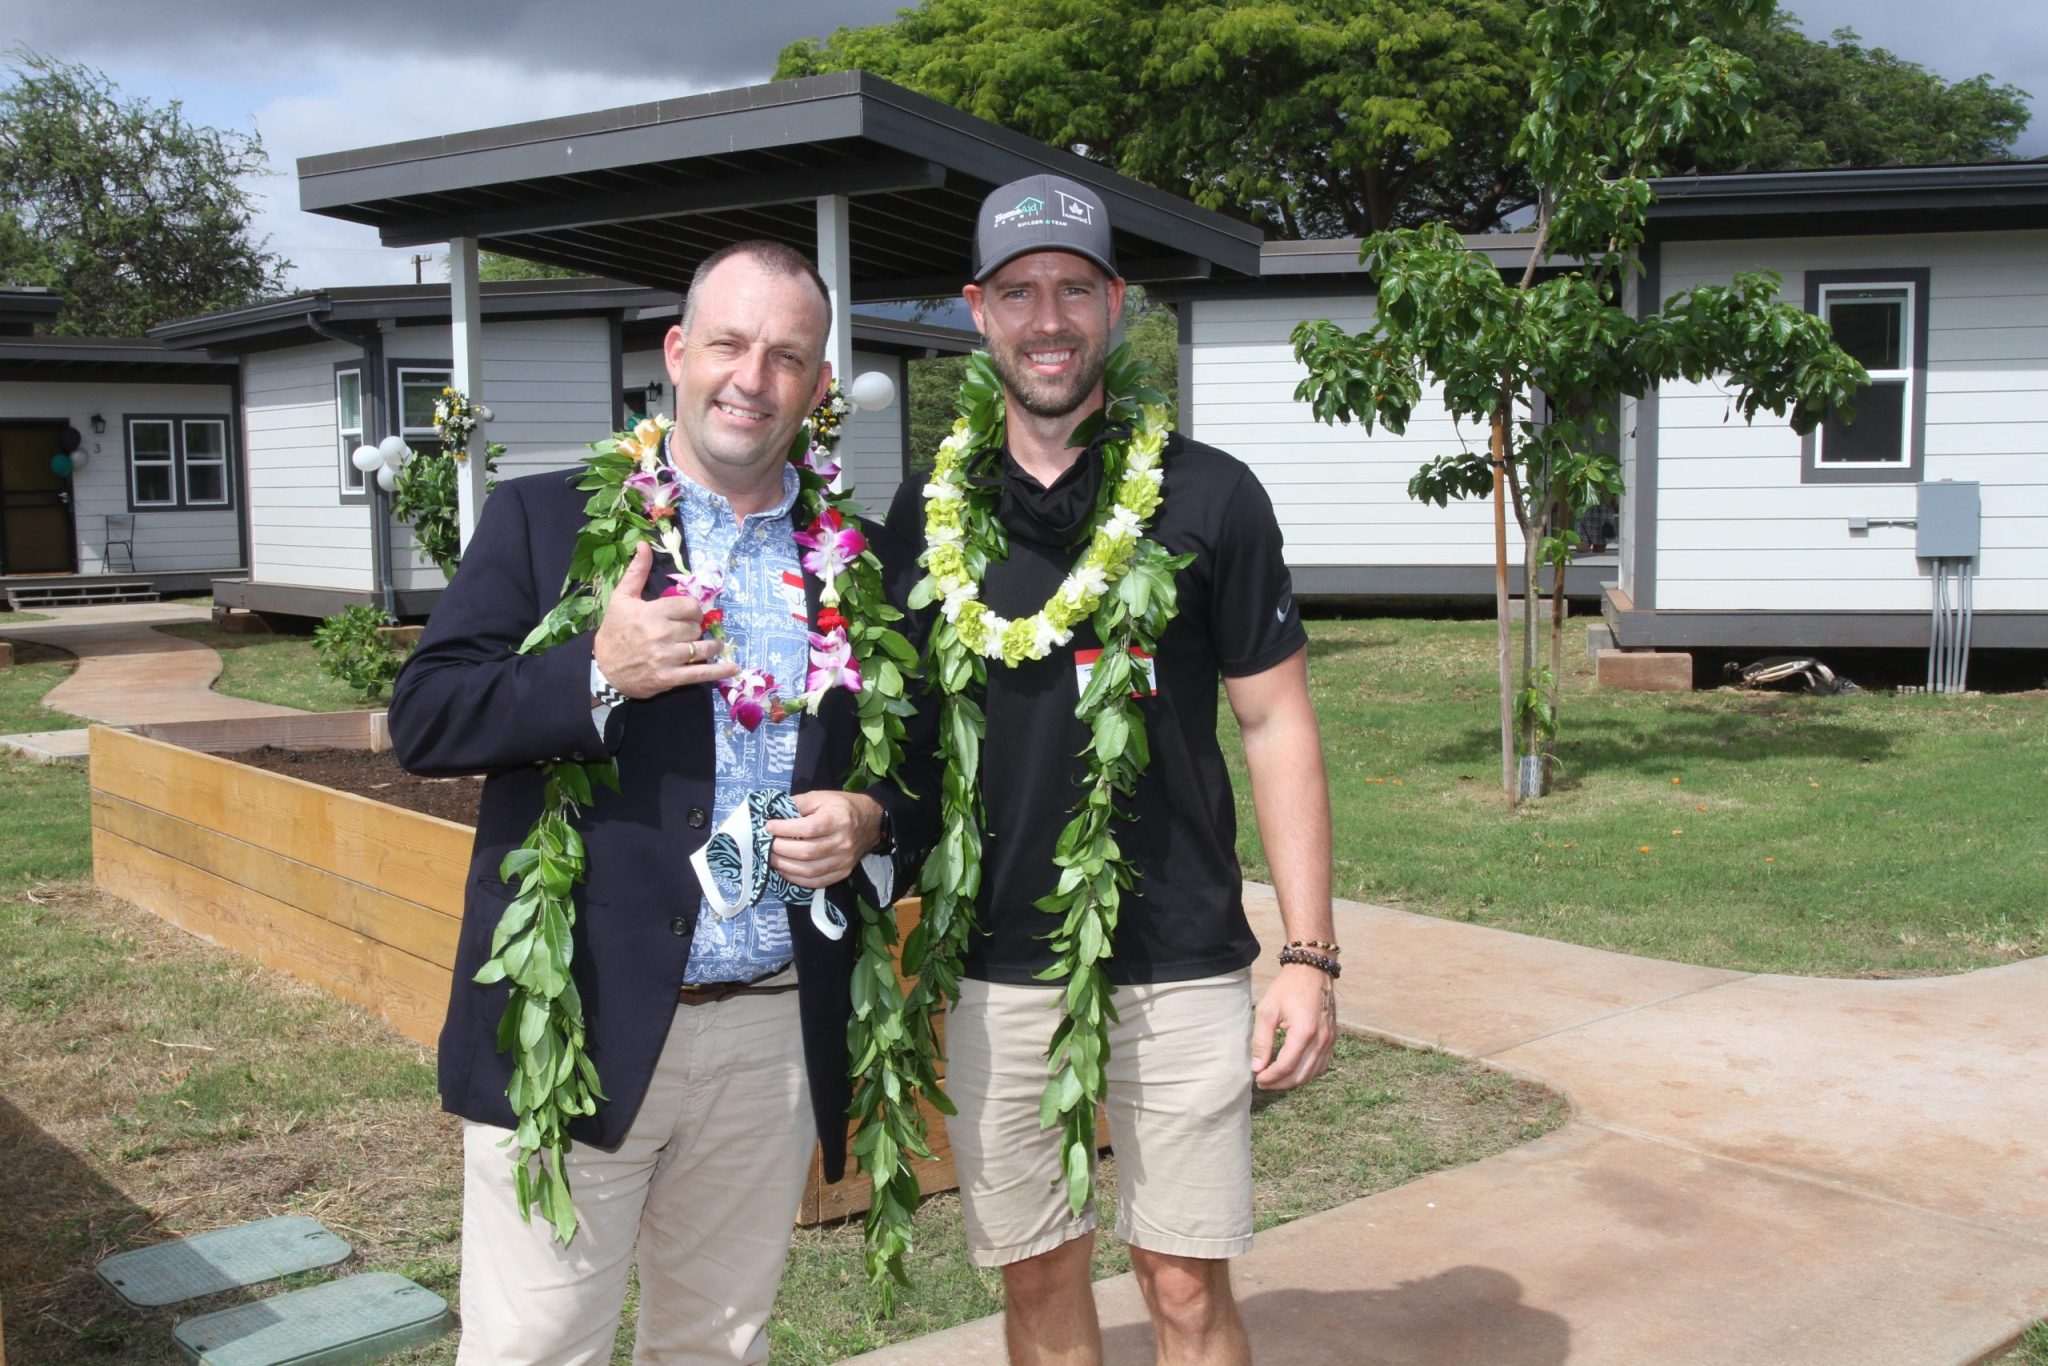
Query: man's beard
(1040, 395)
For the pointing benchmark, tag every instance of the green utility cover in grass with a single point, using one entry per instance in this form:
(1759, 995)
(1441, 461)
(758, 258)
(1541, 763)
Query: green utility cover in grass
(208, 1263)
(357, 1318)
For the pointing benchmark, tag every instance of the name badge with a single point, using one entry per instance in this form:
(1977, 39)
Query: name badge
(793, 594)
(1084, 669)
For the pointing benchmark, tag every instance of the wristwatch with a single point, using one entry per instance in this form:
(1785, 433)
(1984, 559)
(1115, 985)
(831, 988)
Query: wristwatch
(886, 843)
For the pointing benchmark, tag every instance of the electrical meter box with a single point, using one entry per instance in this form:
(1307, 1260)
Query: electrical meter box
(1948, 521)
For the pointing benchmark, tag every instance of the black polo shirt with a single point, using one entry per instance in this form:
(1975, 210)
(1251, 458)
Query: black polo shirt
(1236, 617)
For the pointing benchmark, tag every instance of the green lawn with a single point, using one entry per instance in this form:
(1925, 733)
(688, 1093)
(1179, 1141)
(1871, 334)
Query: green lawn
(1870, 833)
(37, 669)
(279, 669)
(155, 1085)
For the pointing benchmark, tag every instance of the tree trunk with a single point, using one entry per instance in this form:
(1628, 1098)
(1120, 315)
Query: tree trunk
(1500, 600)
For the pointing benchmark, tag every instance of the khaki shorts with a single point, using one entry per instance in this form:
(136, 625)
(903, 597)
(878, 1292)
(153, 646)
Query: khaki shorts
(1179, 1110)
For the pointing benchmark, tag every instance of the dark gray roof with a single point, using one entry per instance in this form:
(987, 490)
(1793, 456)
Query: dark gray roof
(645, 192)
(1331, 265)
(102, 359)
(284, 322)
(23, 306)
(1978, 197)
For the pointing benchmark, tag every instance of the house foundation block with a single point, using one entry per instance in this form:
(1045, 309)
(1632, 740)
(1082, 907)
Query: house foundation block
(1645, 670)
(1599, 637)
(241, 623)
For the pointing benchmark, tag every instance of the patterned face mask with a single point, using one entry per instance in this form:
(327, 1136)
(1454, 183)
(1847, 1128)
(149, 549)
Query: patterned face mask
(732, 867)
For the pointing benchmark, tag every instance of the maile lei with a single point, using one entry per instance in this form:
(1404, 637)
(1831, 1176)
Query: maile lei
(1123, 586)
(633, 494)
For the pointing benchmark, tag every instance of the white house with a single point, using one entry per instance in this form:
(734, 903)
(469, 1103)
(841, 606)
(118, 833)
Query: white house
(1341, 497)
(1732, 535)
(1936, 279)
(119, 463)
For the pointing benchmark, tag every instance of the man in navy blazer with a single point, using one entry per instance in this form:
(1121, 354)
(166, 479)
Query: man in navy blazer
(720, 1044)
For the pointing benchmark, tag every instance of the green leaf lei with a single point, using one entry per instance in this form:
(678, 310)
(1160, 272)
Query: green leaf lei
(553, 1078)
(1124, 585)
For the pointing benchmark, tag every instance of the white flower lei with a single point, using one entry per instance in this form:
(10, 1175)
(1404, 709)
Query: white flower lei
(1110, 552)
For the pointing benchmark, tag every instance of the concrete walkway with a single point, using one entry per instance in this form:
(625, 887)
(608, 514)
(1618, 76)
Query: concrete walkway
(1760, 1169)
(128, 674)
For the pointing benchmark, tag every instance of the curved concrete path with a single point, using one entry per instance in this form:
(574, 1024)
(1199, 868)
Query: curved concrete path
(128, 674)
(1759, 1169)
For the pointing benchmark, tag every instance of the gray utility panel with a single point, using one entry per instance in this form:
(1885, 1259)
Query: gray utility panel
(1948, 521)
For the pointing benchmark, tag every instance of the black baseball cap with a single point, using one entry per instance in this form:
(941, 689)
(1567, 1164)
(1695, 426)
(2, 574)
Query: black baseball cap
(1041, 213)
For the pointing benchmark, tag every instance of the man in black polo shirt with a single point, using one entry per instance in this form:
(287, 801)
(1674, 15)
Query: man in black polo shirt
(1189, 1046)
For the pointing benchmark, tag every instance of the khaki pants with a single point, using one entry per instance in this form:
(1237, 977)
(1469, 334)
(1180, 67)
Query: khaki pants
(1178, 1106)
(701, 1195)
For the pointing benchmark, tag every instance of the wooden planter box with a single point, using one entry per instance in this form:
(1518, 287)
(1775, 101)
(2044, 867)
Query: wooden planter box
(358, 897)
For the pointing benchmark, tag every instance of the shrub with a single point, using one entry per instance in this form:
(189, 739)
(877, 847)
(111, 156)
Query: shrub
(353, 651)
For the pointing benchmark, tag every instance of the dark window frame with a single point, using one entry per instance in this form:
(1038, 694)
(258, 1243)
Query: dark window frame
(181, 500)
(1908, 471)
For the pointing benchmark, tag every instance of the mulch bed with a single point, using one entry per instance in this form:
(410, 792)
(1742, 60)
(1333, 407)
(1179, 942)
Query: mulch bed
(374, 774)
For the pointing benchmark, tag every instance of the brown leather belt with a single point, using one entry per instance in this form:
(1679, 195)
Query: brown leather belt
(709, 993)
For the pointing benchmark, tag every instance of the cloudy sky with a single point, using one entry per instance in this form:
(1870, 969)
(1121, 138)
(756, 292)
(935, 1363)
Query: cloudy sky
(317, 77)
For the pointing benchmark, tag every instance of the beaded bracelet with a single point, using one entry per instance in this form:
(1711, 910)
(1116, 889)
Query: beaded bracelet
(1316, 944)
(1309, 958)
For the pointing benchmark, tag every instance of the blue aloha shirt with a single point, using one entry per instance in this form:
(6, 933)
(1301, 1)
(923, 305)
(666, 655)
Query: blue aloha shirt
(767, 628)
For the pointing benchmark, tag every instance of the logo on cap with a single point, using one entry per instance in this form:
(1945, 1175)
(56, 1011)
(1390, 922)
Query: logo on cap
(1080, 210)
(1030, 204)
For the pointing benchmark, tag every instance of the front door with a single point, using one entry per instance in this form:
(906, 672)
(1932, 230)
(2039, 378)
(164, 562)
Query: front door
(35, 501)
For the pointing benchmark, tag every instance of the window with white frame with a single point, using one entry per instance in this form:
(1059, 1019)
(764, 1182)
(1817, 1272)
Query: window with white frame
(153, 462)
(348, 426)
(418, 391)
(1879, 316)
(1873, 323)
(178, 462)
(206, 462)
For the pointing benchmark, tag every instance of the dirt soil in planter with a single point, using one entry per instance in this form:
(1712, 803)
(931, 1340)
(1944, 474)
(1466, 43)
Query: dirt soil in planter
(374, 774)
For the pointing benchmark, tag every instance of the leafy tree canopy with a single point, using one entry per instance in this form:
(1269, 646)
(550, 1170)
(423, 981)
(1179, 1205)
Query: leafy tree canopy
(1322, 118)
(137, 215)
(1310, 117)
(495, 265)
(1823, 104)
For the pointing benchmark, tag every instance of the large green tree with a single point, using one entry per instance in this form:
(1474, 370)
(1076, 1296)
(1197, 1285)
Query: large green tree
(1839, 103)
(135, 213)
(1313, 118)
(1321, 118)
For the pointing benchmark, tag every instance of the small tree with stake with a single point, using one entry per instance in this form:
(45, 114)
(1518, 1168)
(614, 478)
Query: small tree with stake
(1543, 362)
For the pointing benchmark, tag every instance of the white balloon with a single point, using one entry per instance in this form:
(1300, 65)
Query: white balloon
(78, 459)
(386, 478)
(393, 451)
(366, 458)
(872, 391)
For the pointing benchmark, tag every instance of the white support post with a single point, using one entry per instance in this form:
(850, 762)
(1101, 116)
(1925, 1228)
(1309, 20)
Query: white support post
(835, 263)
(466, 373)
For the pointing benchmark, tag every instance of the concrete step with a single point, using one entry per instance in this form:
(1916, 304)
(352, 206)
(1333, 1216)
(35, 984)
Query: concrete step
(28, 599)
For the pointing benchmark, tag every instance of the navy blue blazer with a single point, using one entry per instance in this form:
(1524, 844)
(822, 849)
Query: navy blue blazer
(466, 703)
